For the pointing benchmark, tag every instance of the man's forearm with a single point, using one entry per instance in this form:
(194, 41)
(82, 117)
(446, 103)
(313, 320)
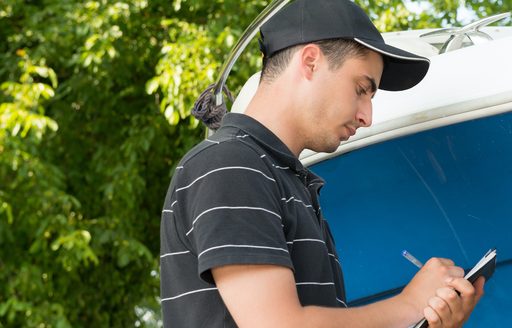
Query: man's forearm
(393, 312)
(269, 299)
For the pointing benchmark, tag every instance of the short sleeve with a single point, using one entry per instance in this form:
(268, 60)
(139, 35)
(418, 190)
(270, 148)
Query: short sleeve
(230, 205)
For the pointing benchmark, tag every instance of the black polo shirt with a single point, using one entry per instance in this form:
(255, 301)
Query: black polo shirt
(241, 197)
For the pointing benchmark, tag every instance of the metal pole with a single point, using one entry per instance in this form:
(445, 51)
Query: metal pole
(247, 36)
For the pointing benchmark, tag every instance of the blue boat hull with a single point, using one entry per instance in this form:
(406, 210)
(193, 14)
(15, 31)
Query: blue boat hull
(445, 192)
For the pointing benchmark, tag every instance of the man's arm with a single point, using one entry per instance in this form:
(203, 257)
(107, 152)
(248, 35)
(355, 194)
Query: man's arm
(266, 296)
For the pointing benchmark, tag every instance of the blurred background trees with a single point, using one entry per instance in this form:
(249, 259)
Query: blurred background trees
(95, 107)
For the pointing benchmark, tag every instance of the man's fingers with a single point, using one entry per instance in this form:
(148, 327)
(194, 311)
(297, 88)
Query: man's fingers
(446, 267)
(446, 261)
(440, 306)
(453, 302)
(450, 296)
(464, 287)
(470, 294)
(479, 287)
(455, 272)
(437, 261)
(434, 321)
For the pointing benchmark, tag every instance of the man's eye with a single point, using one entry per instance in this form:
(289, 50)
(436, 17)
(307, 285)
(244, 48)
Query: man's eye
(361, 91)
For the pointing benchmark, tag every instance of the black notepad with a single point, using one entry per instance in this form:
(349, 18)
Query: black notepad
(485, 267)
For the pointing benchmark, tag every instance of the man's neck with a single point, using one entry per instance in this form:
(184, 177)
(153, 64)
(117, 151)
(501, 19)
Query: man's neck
(274, 108)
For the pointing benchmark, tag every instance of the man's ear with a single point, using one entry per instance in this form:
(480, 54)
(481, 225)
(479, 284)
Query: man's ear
(310, 58)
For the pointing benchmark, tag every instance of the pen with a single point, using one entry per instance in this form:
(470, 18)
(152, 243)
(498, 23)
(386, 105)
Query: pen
(412, 259)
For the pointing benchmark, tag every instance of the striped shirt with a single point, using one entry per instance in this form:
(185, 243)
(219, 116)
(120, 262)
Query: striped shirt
(241, 197)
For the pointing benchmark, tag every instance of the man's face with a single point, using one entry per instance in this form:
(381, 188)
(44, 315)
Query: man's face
(342, 101)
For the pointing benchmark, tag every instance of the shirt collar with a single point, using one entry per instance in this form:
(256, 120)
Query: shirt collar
(265, 137)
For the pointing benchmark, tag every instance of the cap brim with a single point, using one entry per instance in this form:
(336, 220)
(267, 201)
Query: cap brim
(402, 69)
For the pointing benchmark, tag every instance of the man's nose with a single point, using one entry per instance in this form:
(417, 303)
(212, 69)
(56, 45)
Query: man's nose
(364, 114)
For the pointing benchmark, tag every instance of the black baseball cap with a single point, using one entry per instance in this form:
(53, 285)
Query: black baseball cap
(305, 21)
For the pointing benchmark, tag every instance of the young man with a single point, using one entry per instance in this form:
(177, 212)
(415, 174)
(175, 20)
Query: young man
(244, 242)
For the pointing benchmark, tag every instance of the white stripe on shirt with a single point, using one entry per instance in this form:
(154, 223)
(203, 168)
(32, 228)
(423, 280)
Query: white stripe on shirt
(297, 201)
(305, 240)
(223, 169)
(173, 254)
(215, 142)
(187, 293)
(335, 259)
(315, 283)
(281, 167)
(232, 208)
(345, 304)
(242, 246)
(170, 211)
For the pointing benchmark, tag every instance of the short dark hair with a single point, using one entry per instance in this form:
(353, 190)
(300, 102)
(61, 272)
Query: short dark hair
(336, 51)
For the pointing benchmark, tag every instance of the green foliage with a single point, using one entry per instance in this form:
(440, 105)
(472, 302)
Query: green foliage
(487, 8)
(94, 116)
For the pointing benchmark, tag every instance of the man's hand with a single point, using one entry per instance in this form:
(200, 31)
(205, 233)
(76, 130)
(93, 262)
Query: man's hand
(453, 304)
(433, 275)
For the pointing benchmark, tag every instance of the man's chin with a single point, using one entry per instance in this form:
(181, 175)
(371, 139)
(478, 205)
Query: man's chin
(328, 148)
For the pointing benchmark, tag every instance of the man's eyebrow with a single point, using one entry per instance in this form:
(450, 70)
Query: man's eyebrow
(372, 83)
